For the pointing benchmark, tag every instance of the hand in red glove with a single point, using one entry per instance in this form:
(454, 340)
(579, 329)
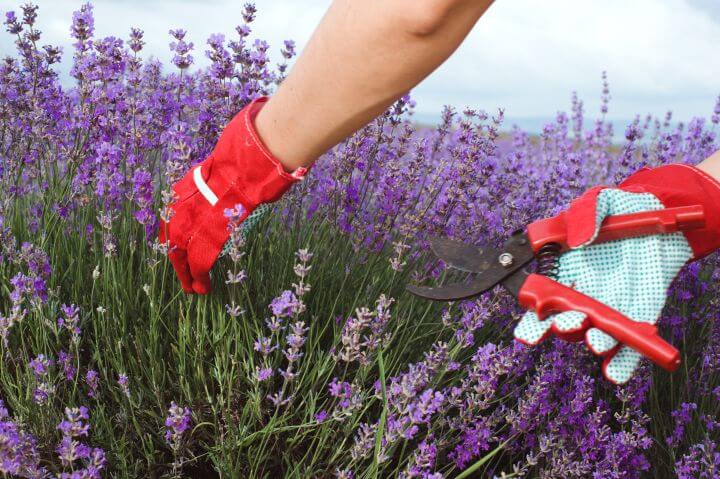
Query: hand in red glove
(240, 170)
(630, 275)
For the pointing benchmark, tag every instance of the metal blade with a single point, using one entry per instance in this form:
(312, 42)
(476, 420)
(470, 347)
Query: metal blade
(464, 257)
(451, 292)
(517, 251)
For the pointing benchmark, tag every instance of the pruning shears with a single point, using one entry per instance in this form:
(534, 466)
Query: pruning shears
(542, 242)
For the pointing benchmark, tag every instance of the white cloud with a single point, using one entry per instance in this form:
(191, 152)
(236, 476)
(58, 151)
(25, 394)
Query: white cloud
(525, 55)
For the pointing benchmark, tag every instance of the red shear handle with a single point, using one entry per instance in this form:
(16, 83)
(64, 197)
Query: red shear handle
(546, 296)
(669, 220)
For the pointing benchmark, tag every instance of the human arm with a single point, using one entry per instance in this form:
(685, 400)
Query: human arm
(363, 56)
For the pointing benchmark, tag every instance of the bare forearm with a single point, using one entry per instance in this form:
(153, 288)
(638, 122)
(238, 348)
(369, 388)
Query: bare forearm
(711, 165)
(362, 57)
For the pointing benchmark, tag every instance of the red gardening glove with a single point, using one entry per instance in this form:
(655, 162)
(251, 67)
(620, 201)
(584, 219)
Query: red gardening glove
(630, 275)
(674, 185)
(240, 170)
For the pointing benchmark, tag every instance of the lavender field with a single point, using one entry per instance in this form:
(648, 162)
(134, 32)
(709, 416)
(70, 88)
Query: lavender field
(309, 359)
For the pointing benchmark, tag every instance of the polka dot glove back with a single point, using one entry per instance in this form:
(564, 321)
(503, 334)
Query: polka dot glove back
(249, 224)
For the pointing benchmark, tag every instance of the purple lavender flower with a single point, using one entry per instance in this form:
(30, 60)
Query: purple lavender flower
(423, 461)
(182, 49)
(65, 360)
(70, 320)
(92, 379)
(364, 333)
(285, 305)
(236, 214)
(682, 416)
(83, 26)
(136, 42)
(19, 454)
(295, 341)
(701, 461)
(124, 384)
(73, 425)
(42, 393)
(263, 374)
(249, 12)
(40, 366)
(11, 22)
(143, 196)
(176, 423)
(70, 450)
(343, 390)
(264, 346)
(288, 50)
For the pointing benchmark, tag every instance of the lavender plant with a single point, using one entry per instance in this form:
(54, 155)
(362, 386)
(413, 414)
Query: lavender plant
(309, 360)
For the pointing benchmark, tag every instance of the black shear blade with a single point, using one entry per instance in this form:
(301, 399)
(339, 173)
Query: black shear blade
(454, 291)
(464, 257)
(486, 262)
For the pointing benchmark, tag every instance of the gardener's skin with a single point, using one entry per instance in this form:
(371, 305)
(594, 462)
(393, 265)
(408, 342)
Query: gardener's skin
(712, 165)
(362, 57)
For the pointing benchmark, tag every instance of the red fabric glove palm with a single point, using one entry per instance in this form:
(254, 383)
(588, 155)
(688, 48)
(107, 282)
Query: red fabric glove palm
(240, 170)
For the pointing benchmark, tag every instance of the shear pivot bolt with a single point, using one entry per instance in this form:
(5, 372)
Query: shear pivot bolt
(506, 259)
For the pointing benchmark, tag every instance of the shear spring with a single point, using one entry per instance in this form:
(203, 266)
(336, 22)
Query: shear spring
(547, 257)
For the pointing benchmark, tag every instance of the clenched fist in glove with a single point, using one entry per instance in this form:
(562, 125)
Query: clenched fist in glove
(240, 170)
(630, 275)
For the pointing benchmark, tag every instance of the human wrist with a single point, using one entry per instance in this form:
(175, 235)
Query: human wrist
(272, 131)
(711, 165)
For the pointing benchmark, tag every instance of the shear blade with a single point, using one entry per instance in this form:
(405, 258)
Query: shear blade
(475, 259)
(451, 292)
(464, 257)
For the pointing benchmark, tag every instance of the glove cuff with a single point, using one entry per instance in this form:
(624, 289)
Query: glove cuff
(241, 161)
(240, 170)
(684, 185)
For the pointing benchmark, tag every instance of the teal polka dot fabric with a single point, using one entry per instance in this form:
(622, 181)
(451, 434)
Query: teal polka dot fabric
(250, 222)
(630, 275)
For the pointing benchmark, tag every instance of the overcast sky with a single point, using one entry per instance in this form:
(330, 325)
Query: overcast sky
(524, 55)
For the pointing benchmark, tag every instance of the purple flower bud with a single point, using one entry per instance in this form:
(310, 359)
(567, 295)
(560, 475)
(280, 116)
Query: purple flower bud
(263, 374)
(124, 384)
(91, 379)
(73, 425)
(66, 361)
(40, 366)
(176, 423)
(285, 305)
(136, 40)
(249, 12)
(11, 22)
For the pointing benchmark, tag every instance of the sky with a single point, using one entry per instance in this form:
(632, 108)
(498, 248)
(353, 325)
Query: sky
(526, 56)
